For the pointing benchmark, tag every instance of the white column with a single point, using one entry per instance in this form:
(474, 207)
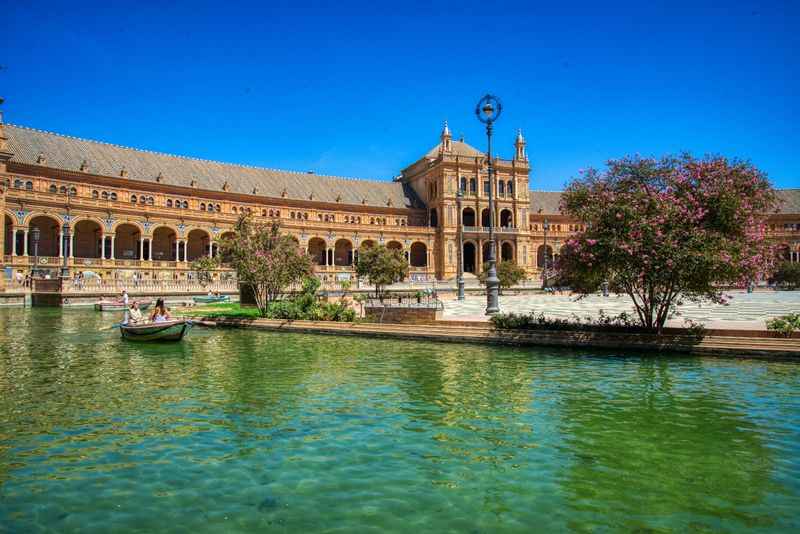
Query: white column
(13, 241)
(72, 244)
(112, 246)
(102, 247)
(60, 244)
(185, 251)
(25, 243)
(141, 248)
(177, 249)
(210, 249)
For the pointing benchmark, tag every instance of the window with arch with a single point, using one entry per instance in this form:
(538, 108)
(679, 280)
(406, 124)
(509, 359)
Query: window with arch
(291, 215)
(217, 208)
(473, 185)
(210, 207)
(151, 201)
(73, 191)
(501, 188)
(277, 213)
(18, 184)
(202, 206)
(186, 204)
(510, 187)
(113, 196)
(95, 194)
(133, 199)
(53, 188)
(169, 202)
(463, 184)
(29, 186)
(105, 195)
(63, 189)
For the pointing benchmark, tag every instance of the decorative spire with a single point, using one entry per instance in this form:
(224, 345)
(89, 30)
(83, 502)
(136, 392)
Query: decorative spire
(519, 145)
(446, 146)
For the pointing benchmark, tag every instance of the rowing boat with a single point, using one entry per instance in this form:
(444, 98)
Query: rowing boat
(115, 305)
(211, 299)
(165, 331)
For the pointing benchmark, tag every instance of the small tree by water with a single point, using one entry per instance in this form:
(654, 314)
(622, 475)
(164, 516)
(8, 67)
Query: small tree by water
(381, 266)
(508, 272)
(265, 259)
(660, 230)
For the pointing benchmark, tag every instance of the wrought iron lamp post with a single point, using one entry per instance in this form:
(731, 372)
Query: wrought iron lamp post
(35, 234)
(460, 255)
(545, 227)
(66, 240)
(488, 110)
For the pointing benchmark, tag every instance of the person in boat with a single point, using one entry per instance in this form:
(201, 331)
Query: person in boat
(134, 313)
(210, 293)
(160, 313)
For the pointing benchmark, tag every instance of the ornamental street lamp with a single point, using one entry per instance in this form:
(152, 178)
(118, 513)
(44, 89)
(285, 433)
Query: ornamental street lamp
(64, 252)
(488, 110)
(460, 255)
(66, 241)
(546, 227)
(35, 234)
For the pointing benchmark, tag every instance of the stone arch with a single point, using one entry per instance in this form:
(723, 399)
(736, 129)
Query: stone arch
(485, 251)
(88, 238)
(126, 241)
(367, 243)
(162, 243)
(506, 218)
(49, 235)
(418, 254)
(470, 257)
(394, 245)
(343, 252)
(540, 256)
(197, 243)
(135, 224)
(468, 217)
(485, 217)
(317, 248)
(506, 251)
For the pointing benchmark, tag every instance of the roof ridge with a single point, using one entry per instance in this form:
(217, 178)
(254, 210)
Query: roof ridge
(194, 158)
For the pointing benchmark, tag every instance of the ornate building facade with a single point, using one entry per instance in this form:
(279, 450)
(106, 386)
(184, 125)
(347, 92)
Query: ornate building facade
(132, 211)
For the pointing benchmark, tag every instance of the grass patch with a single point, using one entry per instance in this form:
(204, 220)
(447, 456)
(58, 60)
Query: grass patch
(223, 310)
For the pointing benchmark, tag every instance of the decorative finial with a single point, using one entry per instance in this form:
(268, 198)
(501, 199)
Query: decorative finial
(160, 177)
(338, 198)
(84, 166)
(193, 183)
(446, 129)
(255, 190)
(123, 172)
(226, 186)
(284, 193)
(40, 159)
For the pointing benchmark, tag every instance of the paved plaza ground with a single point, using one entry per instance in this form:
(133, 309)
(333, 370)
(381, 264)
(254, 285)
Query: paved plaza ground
(745, 311)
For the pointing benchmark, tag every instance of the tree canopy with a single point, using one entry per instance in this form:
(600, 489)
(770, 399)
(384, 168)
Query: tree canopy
(658, 230)
(265, 259)
(508, 272)
(381, 266)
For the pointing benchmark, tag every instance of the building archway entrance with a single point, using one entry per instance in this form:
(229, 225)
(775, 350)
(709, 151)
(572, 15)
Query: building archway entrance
(469, 258)
(197, 244)
(88, 239)
(343, 253)
(506, 252)
(418, 255)
(163, 244)
(8, 235)
(316, 250)
(49, 231)
(468, 217)
(485, 217)
(126, 242)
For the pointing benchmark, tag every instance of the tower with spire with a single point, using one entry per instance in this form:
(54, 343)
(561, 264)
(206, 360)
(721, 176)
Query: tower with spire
(519, 145)
(446, 146)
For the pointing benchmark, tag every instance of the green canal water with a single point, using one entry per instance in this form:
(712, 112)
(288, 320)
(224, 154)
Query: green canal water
(239, 431)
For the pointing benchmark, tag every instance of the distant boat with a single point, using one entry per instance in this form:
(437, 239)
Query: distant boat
(165, 331)
(211, 298)
(117, 305)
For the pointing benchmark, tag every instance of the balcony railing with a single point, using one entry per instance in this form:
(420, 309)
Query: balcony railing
(485, 230)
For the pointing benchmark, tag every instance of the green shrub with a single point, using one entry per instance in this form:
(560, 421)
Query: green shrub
(785, 325)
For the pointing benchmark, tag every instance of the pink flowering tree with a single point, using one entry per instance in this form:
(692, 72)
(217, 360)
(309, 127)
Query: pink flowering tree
(669, 229)
(266, 260)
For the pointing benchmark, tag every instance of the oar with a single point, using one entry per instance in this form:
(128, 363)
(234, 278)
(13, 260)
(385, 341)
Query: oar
(112, 327)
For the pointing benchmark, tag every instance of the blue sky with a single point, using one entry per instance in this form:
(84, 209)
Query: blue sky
(361, 89)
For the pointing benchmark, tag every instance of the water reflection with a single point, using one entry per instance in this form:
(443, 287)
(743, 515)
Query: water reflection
(313, 433)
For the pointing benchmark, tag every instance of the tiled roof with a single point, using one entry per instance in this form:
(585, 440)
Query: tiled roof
(545, 202)
(459, 148)
(789, 200)
(68, 153)
(548, 201)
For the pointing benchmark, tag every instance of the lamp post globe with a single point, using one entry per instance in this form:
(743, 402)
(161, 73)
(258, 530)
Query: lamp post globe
(488, 110)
